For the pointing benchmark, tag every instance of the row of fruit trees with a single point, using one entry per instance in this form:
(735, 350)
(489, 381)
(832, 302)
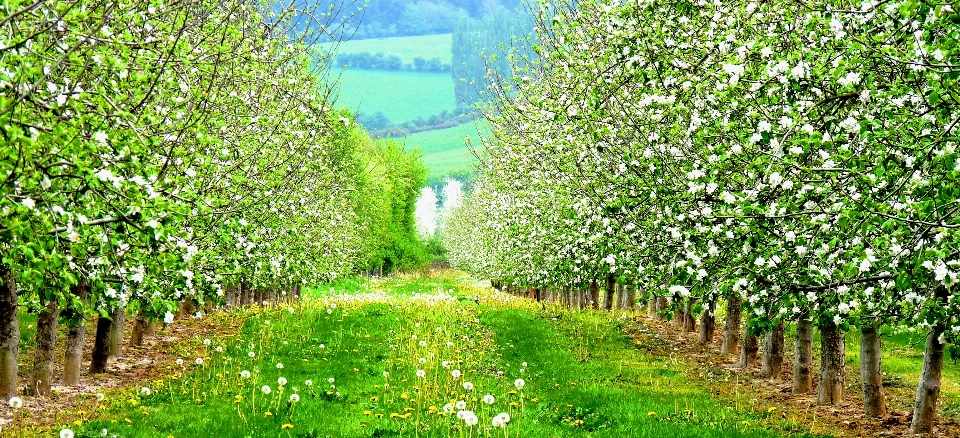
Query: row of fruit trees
(796, 160)
(160, 152)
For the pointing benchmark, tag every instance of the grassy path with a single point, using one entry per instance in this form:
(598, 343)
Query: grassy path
(403, 358)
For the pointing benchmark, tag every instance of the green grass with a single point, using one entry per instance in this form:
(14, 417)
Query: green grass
(444, 150)
(400, 95)
(583, 377)
(427, 47)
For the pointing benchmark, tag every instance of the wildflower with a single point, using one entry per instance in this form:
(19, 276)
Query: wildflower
(456, 374)
(145, 390)
(268, 414)
(281, 381)
(206, 342)
(265, 389)
(448, 408)
(309, 382)
(287, 426)
(468, 386)
(523, 364)
(251, 354)
(445, 364)
(279, 366)
(519, 383)
(501, 420)
(331, 380)
(219, 349)
(294, 398)
(421, 373)
(16, 402)
(168, 318)
(179, 362)
(651, 413)
(489, 399)
(66, 433)
(199, 361)
(461, 405)
(245, 374)
(100, 397)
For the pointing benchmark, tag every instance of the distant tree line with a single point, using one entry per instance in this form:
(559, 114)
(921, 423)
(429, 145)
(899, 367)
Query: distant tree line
(379, 125)
(391, 18)
(482, 51)
(390, 61)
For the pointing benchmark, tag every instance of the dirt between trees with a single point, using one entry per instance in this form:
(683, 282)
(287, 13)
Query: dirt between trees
(137, 366)
(746, 389)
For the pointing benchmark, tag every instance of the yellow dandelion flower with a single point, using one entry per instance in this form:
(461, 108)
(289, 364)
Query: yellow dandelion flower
(268, 414)
(394, 415)
(286, 426)
(367, 412)
(771, 409)
(378, 415)
(651, 413)
(405, 395)
(535, 400)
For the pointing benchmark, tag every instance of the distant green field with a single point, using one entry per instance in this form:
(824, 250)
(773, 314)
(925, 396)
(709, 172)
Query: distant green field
(444, 150)
(400, 95)
(427, 47)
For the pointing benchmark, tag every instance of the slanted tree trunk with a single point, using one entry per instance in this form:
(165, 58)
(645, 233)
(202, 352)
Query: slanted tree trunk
(874, 404)
(609, 292)
(831, 364)
(803, 359)
(689, 321)
(46, 343)
(928, 390)
(731, 325)
(9, 334)
(594, 295)
(115, 348)
(773, 353)
(73, 356)
(708, 325)
(101, 346)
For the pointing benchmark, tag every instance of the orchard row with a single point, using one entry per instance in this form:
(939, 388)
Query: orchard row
(160, 152)
(796, 160)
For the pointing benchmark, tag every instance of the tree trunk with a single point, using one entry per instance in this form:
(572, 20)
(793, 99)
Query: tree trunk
(731, 325)
(632, 296)
(689, 321)
(101, 346)
(46, 344)
(708, 325)
(119, 316)
(608, 296)
(748, 348)
(874, 404)
(803, 359)
(594, 295)
(928, 390)
(652, 308)
(831, 364)
(73, 356)
(231, 296)
(662, 304)
(142, 327)
(773, 353)
(9, 335)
